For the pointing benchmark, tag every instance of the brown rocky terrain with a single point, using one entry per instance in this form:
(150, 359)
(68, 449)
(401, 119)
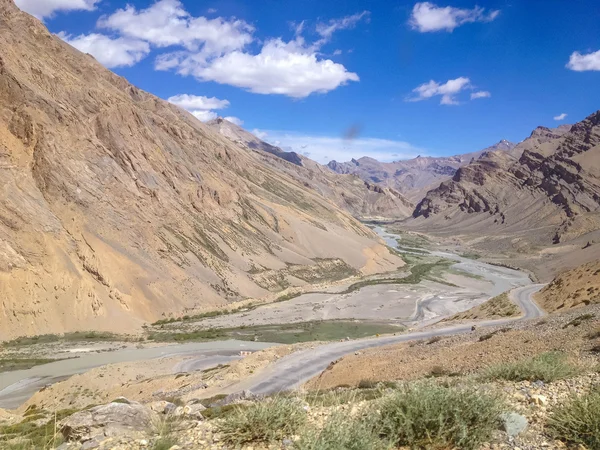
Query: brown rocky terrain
(467, 354)
(116, 207)
(573, 288)
(540, 211)
(363, 199)
(412, 177)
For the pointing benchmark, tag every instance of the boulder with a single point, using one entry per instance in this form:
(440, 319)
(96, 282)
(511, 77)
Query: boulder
(162, 407)
(513, 423)
(116, 418)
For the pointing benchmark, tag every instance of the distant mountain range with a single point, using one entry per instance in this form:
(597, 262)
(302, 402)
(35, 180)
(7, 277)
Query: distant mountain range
(412, 177)
(546, 189)
(362, 198)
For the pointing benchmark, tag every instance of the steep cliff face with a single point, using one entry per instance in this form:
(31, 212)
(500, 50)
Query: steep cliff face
(553, 187)
(362, 199)
(116, 206)
(412, 177)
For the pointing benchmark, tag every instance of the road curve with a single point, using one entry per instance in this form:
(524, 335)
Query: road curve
(297, 368)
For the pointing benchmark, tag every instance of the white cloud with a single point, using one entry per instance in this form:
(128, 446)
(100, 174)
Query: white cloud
(166, 23)
(480, 94)
(204, 116)
(337, 52)
(235, 120)
(325, 148)
(201, 107)
(260, 134)
(448, 90)
(287, 68)
(110, 52)
(427, 17)
(195, 102)
(45, 8)
(581, 63)
(327, 29)
(560, 116)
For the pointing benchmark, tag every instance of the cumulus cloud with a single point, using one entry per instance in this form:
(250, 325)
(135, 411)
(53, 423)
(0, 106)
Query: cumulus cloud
(288, 68)
(166, 23)
(326, 29)
(480, 94)
(428, 17)
(193, 102)
(325, 148)
(205, 116)
(202, 107)
(118, 52)
(216, 49)
(583, 62)
(447, 91)
(46, 8)
(560, 116)
(235, 120)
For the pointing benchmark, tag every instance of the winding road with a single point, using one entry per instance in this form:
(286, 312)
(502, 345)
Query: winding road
(288, 372)
(293, 370)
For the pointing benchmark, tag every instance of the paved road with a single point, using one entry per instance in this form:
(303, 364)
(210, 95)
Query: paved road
(297, 368)
(18, 386)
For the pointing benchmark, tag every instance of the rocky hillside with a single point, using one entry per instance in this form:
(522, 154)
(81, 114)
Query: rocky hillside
(412, 177)
(116, 207)
(551, 192)
(362, 199)
(576, 287)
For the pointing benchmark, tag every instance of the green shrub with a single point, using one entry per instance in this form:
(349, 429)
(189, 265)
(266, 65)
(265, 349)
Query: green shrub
(266, 421)
(547, 367)
(428, 415)
(164, 443)
(343, 433)
(578, 421)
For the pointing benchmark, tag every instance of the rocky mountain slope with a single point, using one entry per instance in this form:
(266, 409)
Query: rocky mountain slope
(363, 199)
(412, 177)
(549, 194)
(116, 206)
(574, 288)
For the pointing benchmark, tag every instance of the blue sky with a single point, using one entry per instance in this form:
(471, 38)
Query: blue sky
(337, 80)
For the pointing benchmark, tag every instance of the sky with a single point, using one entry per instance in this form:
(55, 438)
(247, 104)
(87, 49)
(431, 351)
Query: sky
(345, 79)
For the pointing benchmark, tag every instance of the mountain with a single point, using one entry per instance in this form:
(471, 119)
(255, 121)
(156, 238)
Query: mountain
(362, 199)
(412, 177)
(546, 189)
(117, 207)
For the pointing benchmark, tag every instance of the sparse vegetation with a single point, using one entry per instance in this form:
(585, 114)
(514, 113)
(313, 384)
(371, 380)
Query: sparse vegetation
(496, 307)
(33, 432)
(266, 421)
(76, 336)
(578, 320)
(290, 333)
(578, 421)
(17, 363)
(341, 432)
(428, 415)
(547, 367)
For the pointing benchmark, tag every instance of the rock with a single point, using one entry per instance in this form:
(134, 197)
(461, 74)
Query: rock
(162, 407)
(513, 423)
(235, 398)
(121, 400)
(108, 420)
(540, 400)
(193, 411)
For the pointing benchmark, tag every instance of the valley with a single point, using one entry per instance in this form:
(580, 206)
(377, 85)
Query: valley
(171, 279)
(387, 308)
